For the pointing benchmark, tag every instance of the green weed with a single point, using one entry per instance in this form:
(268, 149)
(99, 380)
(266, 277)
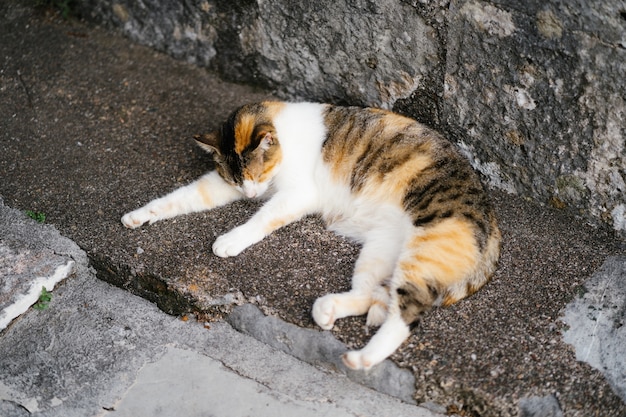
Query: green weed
(44, 299)
(37, 216)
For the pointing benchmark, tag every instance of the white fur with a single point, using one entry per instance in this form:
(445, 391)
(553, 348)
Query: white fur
(388, 338)
(252, 189)
(303, 184)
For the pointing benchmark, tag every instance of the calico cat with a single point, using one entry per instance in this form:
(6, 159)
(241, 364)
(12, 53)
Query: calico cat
(428, 232)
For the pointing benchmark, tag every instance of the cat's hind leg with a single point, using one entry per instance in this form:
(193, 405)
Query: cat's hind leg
(331, 307)
(373, 267)
(207, 192)
(407, 303)
(377, 312)
(387, 339)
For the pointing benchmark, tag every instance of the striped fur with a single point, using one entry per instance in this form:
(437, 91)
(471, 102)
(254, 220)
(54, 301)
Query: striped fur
(428, 231)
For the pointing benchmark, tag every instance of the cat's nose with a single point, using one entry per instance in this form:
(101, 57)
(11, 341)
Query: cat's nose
(249, 192)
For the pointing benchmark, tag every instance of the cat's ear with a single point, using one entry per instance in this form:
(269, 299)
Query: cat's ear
(210, 142)
(267, 140)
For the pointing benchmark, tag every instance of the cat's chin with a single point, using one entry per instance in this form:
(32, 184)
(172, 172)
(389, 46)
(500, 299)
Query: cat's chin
(253, 189)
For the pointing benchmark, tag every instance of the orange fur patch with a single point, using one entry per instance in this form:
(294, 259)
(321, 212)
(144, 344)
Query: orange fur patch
(243, 131)
(448, 300)
(273, 108)
(376, 151)
(247, 122)
(278, 223)
(273, 159)
(396, 122)
(205, 192)
(344, 157)
(443, 254)
(378, 302)
(392, 186)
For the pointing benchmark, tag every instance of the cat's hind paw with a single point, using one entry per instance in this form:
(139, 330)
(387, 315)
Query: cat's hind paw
(376, 315)
(324, 312)
(356, 360)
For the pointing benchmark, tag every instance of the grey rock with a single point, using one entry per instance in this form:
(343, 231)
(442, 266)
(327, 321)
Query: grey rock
(305, 49)
(28, 265)
(534, 97)
(367, 52)
(181, 29)
(320, 348)
(547, 406)
(596, 323)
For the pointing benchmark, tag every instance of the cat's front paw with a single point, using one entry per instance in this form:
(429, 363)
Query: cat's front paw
(234, 242)
(136, 218)
(356, 360)
(324, 311)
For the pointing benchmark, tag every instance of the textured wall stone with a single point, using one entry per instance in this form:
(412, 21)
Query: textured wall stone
(533, 92)
(536, 97)
(375, 52)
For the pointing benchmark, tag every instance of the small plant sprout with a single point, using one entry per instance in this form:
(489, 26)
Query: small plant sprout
(37, 216)
(44, 299)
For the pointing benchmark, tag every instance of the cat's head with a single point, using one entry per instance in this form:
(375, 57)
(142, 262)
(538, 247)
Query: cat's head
(245, 149)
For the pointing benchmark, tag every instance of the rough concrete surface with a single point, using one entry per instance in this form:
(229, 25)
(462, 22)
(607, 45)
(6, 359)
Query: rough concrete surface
(205, 377)
(92, 126)
(534, 91)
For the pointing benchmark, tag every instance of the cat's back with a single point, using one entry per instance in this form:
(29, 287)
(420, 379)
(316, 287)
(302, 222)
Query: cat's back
(386, 157)
(368, 148)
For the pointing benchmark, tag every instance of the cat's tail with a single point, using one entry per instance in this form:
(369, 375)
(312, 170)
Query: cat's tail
(485, 267)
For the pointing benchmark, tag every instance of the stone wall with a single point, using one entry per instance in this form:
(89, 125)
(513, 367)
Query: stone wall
(532, 91)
